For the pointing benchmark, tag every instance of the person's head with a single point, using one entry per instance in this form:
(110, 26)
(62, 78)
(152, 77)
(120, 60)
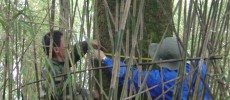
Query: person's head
(58, 51)
(169, 49)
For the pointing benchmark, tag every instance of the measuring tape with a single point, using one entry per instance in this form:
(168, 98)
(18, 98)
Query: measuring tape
(147, 59)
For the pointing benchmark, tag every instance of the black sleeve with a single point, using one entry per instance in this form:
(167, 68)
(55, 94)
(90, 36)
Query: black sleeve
(80, 49)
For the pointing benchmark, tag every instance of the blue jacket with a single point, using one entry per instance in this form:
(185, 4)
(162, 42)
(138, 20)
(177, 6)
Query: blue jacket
(154, 78)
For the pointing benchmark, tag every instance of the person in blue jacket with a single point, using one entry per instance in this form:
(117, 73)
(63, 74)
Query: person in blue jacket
(168, 49)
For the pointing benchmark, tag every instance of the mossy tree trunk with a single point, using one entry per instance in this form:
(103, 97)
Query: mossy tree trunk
(153, 24)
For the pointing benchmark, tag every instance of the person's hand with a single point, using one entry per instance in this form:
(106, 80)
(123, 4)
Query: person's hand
(94, 43)
(99, 54)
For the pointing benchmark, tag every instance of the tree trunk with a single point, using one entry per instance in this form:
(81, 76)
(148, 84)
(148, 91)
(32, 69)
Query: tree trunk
(154, 21)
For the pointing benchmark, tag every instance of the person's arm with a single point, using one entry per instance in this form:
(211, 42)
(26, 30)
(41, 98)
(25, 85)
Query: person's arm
(106, 61)
(81, 48)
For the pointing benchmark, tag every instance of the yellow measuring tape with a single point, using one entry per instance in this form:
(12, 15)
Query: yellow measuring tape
(109, 54)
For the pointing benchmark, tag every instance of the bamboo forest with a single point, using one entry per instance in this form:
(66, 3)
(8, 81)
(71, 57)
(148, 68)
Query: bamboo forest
(114, 50)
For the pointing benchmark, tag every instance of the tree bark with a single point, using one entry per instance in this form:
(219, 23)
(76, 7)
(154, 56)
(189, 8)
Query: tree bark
(153, 24)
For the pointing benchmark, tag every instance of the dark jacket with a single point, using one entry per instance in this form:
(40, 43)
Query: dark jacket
(56, 81)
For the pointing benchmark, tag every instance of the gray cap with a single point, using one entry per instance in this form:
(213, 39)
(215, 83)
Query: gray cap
(168, 49)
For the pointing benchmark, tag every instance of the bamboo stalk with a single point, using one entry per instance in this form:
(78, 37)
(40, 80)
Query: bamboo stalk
(36, 69)
(191, 24)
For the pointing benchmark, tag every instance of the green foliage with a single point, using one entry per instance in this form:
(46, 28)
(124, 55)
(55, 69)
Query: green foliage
(201, 25)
